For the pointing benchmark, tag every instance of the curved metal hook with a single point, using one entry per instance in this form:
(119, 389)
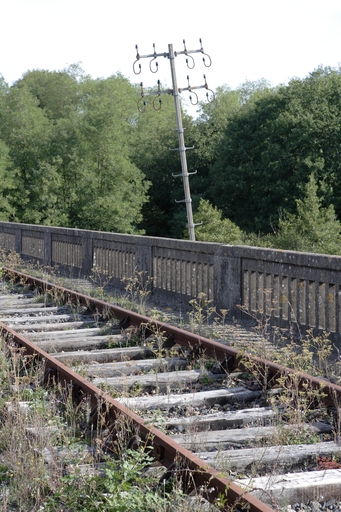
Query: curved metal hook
(196, 101)
(137, 59)
(207, 65)
(193, 62)
(189, 89)
(158, 97)
(203, 59)
(213, 96)
(192, 65)
(208, 89)
(156, 64)
(142, 105)
(160, 103)
(136, 72)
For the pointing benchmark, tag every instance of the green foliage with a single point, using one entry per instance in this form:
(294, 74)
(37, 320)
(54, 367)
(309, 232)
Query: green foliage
(313, 228)
(65, 143)
(153, 135)
(112, 190)
(128, 488)
(76, 152)
(250, 91)
(214, 118)
(212, 121)
(7, 182)
(26, 132)
(214, 228)
(124, 488)
(56, 91)
(273, 144)
(3, 85)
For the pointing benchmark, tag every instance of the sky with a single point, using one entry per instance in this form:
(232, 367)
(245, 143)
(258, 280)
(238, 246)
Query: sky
(246, 39)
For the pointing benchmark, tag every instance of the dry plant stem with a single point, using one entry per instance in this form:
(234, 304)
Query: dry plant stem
(138, 288)
(202, 310)
(29, 484)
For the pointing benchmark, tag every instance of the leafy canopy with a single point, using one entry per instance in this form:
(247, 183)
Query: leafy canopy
(272, 145)
(65, 151)
(213, 227)
(313, 228)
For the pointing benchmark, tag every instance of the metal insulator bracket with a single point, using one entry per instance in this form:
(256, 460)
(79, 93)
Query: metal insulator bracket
(188, 174)
(192, 65)
(180, 149)
(203, 59)
(156, 63)
(137, 59)
(183, 200)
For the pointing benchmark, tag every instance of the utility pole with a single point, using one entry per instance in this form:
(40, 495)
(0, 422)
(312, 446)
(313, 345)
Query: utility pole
(175, 91)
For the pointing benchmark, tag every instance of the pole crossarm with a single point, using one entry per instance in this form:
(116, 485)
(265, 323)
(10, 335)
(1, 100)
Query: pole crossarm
(142, 105)
(186, 52)
(153, 55)
(153, 93)
(180, 149)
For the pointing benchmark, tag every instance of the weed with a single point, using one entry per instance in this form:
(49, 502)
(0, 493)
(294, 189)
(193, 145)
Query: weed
(101, 280)
(138, 288)
(206, 380)
(157, 419)
(219, 322)
(259, 370)
(204, 363)
(136, 389)
(154, 337)
(202, 310)
(10, 259)
(297, 435)
(299, 398)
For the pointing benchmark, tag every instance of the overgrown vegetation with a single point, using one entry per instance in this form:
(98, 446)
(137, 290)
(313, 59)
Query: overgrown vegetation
(76, 152)
(299, 403)
(50, 458)
(125, 484)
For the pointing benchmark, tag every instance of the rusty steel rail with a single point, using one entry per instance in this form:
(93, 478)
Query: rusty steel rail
(230, 356)
(198, 474)
(166, 450)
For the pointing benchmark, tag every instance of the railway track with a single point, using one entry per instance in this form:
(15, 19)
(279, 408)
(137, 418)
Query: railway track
(224, 420)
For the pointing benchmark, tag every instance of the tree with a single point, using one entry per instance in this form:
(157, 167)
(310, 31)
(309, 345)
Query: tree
(212, 122)
(26, 132)
(272, 145)
(57, 92)
(313, 228)
(69, 142)
(252, 90)
(215, 116)
(111, 189)
(153, 135)
(7, 183)
(214, 228)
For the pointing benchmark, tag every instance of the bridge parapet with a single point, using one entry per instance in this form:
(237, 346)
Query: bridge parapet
(292, 288)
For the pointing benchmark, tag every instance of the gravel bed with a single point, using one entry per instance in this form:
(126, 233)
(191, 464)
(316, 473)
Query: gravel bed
(239, 333)
(315, 506)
